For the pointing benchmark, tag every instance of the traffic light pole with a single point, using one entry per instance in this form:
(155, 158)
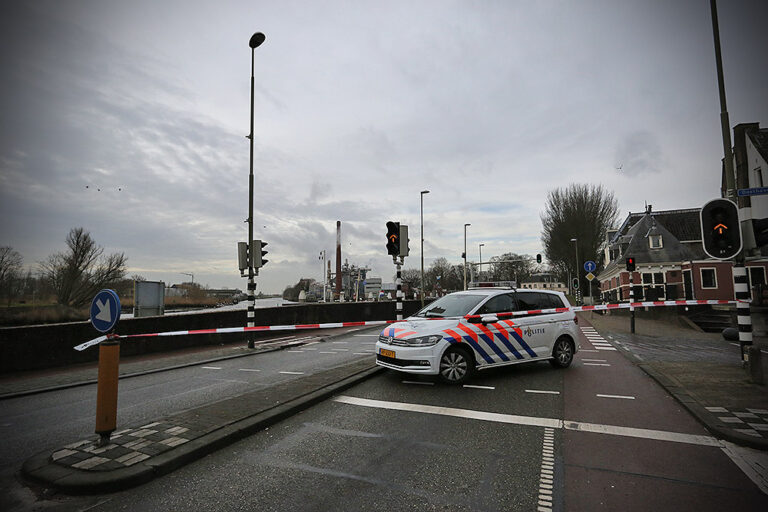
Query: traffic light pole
(399, 293)
(740, 280)
(631, 300)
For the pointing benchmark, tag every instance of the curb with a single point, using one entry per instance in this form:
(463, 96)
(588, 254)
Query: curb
(39, 470)
(698, 411)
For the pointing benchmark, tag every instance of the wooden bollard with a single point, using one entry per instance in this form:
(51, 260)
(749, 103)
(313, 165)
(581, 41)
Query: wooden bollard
(106, 393)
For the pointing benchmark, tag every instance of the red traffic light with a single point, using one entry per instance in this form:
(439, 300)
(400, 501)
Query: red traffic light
(630, 264)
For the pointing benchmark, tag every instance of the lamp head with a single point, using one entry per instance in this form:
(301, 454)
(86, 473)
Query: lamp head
(256, 40)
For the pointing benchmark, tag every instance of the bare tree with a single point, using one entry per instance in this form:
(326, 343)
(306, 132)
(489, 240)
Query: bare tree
(78, 274)
(10, 273)
(512, 267)
(581, 212)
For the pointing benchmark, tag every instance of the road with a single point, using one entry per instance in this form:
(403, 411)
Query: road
(600, 435)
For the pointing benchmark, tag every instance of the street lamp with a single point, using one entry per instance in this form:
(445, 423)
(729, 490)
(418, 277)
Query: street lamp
(255, 42)
(480, 269)
(465, 255)
(421, 288)
(576, 275)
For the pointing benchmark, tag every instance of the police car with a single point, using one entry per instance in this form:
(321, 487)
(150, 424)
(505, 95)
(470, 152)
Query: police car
(476, 329)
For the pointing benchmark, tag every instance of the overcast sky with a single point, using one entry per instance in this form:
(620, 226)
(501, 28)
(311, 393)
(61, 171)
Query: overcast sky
(359, 105)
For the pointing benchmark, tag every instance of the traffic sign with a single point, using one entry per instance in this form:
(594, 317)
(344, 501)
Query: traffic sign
(757, 191)
(105, 310)
(590, 266)
(590, 276)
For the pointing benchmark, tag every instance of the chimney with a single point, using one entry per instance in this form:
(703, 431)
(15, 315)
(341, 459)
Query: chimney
(337, 293)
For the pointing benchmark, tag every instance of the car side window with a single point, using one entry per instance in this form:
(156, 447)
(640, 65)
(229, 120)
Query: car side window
(527, 301)
(498, 304)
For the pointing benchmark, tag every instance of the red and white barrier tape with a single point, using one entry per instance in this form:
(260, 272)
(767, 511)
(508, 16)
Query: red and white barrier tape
(98, 340)
(575, 309)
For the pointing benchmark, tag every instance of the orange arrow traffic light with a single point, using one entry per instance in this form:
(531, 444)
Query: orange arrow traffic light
(720, 228)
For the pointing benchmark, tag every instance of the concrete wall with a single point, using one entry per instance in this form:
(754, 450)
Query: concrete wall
(46, 346)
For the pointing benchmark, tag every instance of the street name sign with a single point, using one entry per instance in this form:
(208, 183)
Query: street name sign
(757, 191)
(105, 310)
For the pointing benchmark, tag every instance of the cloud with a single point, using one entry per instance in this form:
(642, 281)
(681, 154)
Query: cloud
(639, 153)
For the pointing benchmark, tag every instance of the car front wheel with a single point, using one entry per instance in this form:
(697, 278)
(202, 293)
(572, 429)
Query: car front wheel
(562, 353)
(455, 366)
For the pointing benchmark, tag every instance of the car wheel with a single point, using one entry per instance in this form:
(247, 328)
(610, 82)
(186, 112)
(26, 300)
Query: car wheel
(562, 353)
(456, 366)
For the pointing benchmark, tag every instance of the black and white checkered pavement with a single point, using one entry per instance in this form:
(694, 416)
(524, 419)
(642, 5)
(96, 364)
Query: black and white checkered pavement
(751, 422)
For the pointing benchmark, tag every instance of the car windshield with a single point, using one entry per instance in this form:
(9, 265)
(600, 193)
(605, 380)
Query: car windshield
(451, 305)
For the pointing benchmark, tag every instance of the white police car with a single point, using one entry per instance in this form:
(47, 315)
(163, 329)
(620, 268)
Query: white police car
(476, 329)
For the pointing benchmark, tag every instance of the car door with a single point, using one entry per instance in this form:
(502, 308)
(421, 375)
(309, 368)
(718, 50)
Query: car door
(535, 329)
(508, 331)
(495, 336)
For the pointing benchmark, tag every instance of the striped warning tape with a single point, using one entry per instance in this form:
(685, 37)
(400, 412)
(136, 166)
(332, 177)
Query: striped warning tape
(575, 309)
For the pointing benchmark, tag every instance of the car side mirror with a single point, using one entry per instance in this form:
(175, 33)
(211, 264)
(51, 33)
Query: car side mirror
(489, 319)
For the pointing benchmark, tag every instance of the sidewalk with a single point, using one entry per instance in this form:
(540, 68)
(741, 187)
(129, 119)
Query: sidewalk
(141, 453)
(701, 370)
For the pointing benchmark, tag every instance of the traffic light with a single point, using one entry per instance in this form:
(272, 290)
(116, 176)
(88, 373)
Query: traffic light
(258, 253)
(630, 264)
(575, 283)
(720, 229)
(538, 258)
(393, 238)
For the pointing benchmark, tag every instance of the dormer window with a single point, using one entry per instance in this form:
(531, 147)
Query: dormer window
(654, 241)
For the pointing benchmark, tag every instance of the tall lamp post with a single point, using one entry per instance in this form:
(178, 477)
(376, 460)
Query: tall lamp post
(480, 269)
(576, 275)
(421, 288)
(255, 42)
(465, 255)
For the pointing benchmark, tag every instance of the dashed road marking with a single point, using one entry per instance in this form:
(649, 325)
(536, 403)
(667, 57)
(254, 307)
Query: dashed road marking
(479, 387)
(211, 367)
(418, 382)
(542, 391)
(596, 364)
(361, 353)
(292, 373)
(248, 370)
(546, 474)
(321, 352)
(616, 396)
(595, 360)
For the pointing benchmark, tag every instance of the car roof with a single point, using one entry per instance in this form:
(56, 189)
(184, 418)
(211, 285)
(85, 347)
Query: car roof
(497, 291)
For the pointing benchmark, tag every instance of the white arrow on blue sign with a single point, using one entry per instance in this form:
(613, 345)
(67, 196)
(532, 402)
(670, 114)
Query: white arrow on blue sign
(105, 310)
(590, 266)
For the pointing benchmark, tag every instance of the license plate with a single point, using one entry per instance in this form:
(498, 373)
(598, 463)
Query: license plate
(387, 353)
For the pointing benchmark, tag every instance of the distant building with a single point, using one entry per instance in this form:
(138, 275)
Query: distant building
(544, 281)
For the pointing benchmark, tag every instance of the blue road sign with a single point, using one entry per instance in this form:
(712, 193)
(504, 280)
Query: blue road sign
(105, 310)
(757, 191)
(590, 266)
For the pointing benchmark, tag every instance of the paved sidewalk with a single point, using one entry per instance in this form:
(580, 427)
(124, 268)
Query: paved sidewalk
(701, 370)
(140, 453)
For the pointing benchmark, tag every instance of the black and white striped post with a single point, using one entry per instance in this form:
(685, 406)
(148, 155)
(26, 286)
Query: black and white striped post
(744, 319)
(631, 300)
(251, 308)
(399, 294)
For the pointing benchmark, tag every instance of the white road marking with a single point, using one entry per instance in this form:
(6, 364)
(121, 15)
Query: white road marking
(616, 396)
(361, 353)
(587, 350)
(340, 349)
(596, 364)
(321, 352)
(658, 435)
(418, 382)
(607, 348)
(542, 391)
(295, 351)
(292, 373)
(546, 477)
(211, 367)
(751, 462)
(595, 360)
(478, 387)
(248, 370)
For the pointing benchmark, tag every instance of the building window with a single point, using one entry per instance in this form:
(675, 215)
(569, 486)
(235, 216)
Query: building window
(756, 276)
(647, 278)
(658, 278)
(708, 278)
(654, 241)
(758, 177)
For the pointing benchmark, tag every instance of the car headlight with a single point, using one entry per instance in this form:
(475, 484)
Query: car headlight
(423, 341)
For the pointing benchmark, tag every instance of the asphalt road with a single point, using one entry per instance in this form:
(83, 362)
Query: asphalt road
(600, 435)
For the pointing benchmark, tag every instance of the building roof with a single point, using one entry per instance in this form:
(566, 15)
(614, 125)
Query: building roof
(685, 224)
(635, 242)
(759, 139)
